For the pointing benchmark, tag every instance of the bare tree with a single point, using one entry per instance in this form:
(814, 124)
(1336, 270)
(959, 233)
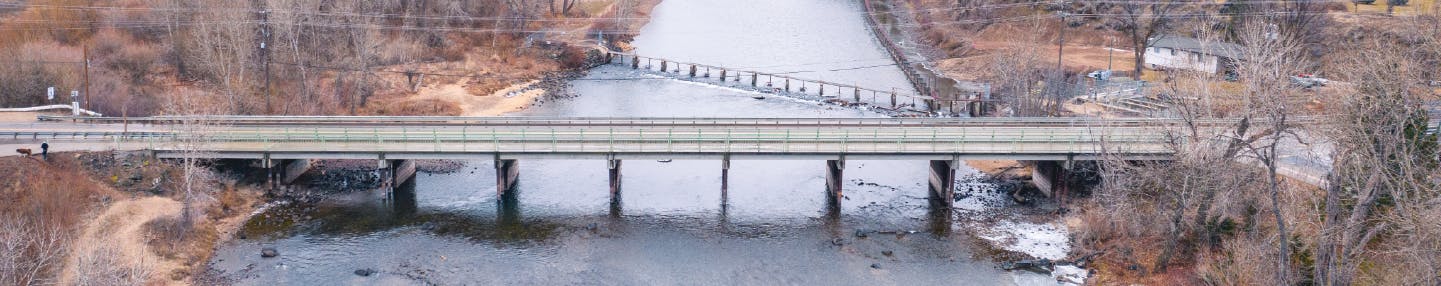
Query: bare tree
(565, 6)
(192, 137)
(1143, 21)
(1263, 63)
(29, 253)
(1382, 153)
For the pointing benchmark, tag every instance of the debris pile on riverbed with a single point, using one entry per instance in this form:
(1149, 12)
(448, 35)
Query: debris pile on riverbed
(986, 207)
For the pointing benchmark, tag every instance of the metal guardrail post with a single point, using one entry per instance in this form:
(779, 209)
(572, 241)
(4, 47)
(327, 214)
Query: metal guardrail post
(787, 141)
(904, 135)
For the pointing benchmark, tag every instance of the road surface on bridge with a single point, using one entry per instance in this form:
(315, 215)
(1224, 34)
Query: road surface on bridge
(613, 138)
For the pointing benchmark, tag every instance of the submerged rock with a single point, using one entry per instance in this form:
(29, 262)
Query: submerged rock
(365, 271)
(269, 252)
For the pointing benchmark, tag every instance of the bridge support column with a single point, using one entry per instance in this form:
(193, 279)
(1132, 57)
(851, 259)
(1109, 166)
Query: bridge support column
(943, 183)
(614, 166)
(835, 170)
(269, 171)
(692, 70)
(635, 62)
(893, 100)
(402, 171)
(293, 170)
(662, 65)
(507, 173)
(725, 181)
(615, 200)
(754, 77)
(1048, 176)
(723, 76)
(857, 96)
(788, 85)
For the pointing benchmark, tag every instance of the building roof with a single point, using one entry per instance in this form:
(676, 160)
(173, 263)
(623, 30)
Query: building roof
(1222, 49)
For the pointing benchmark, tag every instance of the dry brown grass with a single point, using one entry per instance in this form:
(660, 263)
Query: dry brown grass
(42, 203)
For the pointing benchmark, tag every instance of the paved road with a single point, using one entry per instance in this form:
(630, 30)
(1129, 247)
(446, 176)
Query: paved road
(448, 137)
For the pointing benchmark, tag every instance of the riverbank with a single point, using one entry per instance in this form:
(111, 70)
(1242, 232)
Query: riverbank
(494, 82)
(104, 218)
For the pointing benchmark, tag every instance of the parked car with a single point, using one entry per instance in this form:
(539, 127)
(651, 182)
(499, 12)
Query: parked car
(1100, 75)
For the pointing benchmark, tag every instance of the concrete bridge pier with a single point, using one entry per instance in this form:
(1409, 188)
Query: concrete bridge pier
(635, 62)
(834, 181)
(725, 181)
(615, 200)
(507, 173)
(1050, 177)
(402, 199)
(723, 76)
(614, 166)
(943, 183)
(396, 173)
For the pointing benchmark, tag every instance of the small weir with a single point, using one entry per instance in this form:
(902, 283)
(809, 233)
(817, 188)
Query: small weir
(890, 102)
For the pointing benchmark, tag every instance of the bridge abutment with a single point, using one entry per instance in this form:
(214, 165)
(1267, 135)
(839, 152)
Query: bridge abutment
(835, 171)
(507, 173)
(293, 169)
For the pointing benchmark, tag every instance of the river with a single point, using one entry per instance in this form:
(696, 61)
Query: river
(671, 227)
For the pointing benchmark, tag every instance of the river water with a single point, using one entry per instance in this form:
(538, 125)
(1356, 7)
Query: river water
(670, 227)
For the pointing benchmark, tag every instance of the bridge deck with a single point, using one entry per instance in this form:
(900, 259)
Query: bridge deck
(428, 138)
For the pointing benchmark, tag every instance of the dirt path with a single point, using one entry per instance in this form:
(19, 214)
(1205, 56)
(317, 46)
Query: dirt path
(493, 104)
(119, 233)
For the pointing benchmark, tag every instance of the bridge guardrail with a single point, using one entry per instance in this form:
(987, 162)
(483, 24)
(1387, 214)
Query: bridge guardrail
(758, 140)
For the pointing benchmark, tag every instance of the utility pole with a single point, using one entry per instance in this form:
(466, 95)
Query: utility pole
(1061, 43)
(1110, 54)
(265, 52)
(86, 98)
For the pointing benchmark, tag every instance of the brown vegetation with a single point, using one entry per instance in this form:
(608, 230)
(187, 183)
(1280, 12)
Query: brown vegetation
(319, 57)
(1222, 214)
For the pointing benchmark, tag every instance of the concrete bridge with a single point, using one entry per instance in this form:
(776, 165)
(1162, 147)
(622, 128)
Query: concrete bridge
(285, 145)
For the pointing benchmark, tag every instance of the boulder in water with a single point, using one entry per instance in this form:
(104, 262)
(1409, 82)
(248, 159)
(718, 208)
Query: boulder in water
(269, 252)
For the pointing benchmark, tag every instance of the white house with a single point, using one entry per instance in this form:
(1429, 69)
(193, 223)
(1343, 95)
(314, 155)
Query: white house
(1173, 52)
